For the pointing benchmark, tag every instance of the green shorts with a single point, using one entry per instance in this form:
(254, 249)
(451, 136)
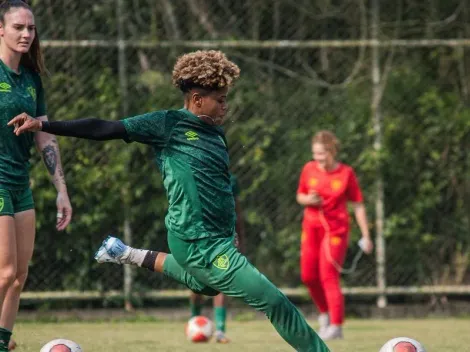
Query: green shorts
(12, 202)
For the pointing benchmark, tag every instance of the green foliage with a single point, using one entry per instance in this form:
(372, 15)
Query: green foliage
(424, 164)
(281, 100)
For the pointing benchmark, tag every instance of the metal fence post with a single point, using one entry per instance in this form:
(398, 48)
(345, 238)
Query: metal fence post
(123, 87)
(377, 90)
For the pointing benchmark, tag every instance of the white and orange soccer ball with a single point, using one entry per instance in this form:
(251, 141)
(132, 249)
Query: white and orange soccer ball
(402, 344)
(61, 345)
(199, 329)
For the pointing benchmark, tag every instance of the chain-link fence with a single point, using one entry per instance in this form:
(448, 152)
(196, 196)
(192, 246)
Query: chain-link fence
(394, 88)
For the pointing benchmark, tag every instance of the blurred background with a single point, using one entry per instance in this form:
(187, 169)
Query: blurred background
(390, 78)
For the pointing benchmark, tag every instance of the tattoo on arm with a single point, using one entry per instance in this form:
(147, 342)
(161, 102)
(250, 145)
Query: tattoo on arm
(50, 158)
(60, 178)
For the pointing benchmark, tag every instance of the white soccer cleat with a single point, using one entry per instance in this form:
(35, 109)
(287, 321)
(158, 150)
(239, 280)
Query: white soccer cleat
(220, 337)
(333, 332)
(323, 322)
(112, 250)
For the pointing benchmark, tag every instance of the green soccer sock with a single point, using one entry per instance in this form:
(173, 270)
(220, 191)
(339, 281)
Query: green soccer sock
(220, 316)
(4, 339)
(195, 309)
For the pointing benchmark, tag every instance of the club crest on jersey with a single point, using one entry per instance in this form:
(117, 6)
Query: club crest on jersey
(192, 136)
(5, 87)
(32, 92)
(312, 182)
(222, 262)
(335, 241)
(2, 203)
(336, 184)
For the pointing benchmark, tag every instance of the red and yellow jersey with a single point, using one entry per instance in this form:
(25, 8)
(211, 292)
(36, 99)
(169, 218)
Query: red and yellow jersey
(336, 188)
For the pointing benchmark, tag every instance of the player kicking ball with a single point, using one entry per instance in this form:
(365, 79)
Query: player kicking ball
(191, 153)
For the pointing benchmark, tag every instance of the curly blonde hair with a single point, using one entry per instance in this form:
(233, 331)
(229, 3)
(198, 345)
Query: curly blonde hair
(207, 69)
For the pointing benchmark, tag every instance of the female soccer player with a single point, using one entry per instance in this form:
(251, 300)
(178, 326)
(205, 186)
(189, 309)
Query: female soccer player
(21, 91)
(191, 153)
(325, 187)
(219, 301)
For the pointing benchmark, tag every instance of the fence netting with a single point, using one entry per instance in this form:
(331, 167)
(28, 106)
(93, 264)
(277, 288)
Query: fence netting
(305, 66)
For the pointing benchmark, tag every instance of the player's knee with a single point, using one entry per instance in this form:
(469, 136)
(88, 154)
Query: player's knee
(330, 282)
(7, 277)
(309, 280)
(19, 281)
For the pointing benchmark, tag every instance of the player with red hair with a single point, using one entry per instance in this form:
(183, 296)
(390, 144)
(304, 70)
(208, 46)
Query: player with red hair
(325, 188)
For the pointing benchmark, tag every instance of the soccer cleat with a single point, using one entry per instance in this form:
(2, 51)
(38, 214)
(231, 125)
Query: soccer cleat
(11, 345)
(220, 337)
(333, 332)
(112, 250)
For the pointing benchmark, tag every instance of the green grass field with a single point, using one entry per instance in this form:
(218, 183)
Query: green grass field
(360, 336)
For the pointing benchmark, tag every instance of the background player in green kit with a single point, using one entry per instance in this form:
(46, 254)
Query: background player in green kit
(21, 91)
(219, 301)
(191, 153)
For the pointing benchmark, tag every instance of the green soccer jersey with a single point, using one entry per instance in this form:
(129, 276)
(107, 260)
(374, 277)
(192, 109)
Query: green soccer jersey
(193, 159)
(19, 92)
(234, 184)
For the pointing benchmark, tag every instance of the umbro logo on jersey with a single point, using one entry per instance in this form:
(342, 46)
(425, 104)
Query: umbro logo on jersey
(32, 92)
(5, 87)
(222, 140)
(192, 136)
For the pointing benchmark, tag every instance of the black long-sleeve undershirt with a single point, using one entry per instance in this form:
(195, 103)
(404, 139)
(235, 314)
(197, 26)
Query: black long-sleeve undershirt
(90, 128)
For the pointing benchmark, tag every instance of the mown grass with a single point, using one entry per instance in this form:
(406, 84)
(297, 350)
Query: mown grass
(247, 336)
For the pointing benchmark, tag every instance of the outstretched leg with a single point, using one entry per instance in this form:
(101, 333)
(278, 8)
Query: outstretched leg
(113, 250)
(228, 272)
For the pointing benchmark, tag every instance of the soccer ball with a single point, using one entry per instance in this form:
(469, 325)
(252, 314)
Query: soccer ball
(61, 345)
(199, 329)
(402, 344)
